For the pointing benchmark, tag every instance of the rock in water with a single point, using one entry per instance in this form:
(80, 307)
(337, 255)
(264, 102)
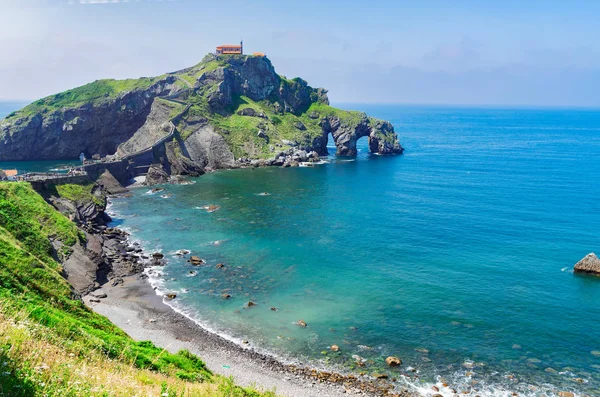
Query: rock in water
(196, 260)
(301, 323)
(156, 175)
(590, 264)
(393, 361)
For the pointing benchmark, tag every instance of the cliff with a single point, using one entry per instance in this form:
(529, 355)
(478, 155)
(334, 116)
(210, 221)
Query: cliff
(220, 113)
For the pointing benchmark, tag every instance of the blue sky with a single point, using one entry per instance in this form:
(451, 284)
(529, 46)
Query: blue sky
(437, 52)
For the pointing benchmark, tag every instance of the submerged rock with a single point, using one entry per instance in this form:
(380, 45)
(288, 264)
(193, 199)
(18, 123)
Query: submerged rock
(590, 265)
(334, 348)
(301, 323)
(393, 361)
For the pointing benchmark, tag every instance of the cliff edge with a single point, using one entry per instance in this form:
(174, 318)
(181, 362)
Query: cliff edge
(222, 112)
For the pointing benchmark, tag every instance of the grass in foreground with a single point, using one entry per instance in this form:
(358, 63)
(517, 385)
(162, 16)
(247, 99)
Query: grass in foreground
(52, 344)
(33, 362)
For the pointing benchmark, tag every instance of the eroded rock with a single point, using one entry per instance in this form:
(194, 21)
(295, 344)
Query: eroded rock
(590, 264)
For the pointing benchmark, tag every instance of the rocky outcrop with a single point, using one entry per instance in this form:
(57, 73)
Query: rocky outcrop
(208, 149)
(382, 138)
(178, 163)
(92, 128)
(109, 184)
(83, 211)
(80, 270)
(156, 175)
(590, 264)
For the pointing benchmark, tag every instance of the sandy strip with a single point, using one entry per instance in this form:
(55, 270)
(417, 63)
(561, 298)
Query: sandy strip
(133, 304)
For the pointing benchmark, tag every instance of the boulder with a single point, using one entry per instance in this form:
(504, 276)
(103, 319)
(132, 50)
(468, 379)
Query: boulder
(590, 265)
(220, 265)
(156, 175)
(301, 323)
(334, 348)
(171, 295)
(393, 361)
(247, 112)
(196, 260)
(157, 255)
(225, 296)
(250, 304)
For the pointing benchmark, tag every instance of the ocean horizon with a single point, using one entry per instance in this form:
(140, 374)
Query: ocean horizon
(456, 256)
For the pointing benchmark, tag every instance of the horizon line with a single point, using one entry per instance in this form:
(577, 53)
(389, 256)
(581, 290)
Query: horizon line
(423, 104)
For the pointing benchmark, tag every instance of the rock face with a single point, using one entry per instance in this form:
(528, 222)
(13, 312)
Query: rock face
(238, 111)
(91, 128)
(156, 175)
(589, 264)
(110, 184)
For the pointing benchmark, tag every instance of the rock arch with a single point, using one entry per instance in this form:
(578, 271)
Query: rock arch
(382, 137)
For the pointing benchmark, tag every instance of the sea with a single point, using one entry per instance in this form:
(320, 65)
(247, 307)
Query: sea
(456, 256)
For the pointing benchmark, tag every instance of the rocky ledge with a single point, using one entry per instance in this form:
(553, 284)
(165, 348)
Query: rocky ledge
(590, 264)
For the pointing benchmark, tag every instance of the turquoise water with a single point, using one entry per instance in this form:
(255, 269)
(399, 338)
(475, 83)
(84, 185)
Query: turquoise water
(463, 246)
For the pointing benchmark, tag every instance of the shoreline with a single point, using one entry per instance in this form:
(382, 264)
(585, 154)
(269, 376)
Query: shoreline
(134, 306)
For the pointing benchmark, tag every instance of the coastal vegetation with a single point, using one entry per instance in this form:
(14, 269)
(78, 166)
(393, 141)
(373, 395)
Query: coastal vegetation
(50, 343)
(92, 93)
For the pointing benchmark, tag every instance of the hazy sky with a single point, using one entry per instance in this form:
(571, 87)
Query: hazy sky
(534, 52)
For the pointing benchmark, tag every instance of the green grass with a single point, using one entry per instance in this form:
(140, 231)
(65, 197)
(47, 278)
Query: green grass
(32, 221)
(32, 288)
(79, 193)
(98, 91)
(175, 107)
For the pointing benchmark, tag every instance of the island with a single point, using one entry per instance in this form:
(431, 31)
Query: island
(225, 112)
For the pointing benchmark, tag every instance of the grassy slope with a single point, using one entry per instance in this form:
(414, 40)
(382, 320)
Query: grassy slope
(240, 132)
(79, 193)
(40, 320)
(93, 93)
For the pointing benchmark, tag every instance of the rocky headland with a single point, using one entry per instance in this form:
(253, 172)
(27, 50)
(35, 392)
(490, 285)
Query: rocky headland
(225, 112)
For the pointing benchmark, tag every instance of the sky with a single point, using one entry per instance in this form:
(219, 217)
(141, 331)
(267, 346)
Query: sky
(460, 52)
